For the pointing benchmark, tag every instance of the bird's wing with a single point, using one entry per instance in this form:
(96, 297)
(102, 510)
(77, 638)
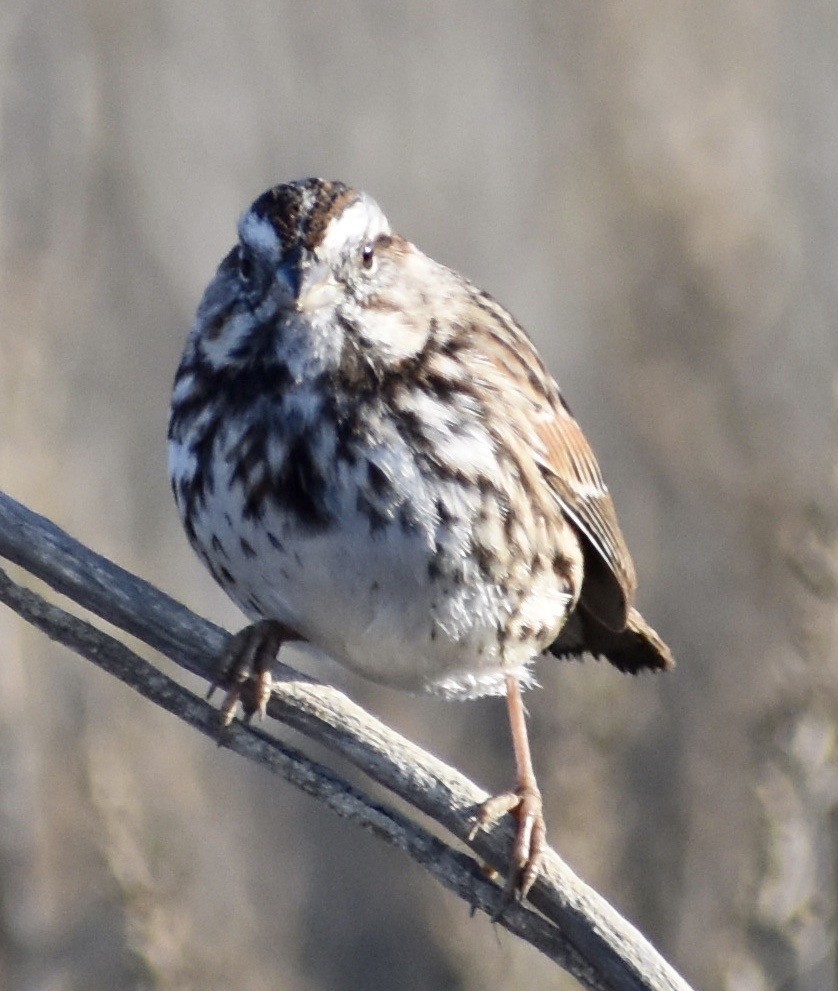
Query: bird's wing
(570, 468)
(533, 409)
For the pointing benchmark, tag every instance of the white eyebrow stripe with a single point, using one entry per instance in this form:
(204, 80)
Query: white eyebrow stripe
(362, 220)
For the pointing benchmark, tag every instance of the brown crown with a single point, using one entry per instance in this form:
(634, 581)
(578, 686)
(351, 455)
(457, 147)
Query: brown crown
(300, 211)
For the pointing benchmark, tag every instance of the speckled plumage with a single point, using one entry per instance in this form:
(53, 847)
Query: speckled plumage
(387, 472)
(368, 449)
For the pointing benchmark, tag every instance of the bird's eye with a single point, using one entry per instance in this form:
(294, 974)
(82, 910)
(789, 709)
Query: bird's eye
(245, 260)
(368, 255)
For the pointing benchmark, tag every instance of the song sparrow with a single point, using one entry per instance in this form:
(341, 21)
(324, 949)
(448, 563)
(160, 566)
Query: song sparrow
(368, 454)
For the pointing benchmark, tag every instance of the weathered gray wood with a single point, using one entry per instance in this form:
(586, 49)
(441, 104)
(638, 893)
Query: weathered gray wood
(579, 930)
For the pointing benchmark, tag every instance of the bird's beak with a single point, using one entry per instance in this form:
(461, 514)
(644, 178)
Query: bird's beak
(309, 283)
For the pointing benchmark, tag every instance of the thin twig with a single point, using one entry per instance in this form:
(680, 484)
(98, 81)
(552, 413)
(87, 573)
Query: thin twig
(579, 930)
(455, 870)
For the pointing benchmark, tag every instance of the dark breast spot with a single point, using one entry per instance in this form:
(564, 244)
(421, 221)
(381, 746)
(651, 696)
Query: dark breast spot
(408, 518)
(189, 526)
(379, 482)
(444, 513)
(301, 486)
(562, 567)
(377, 519)
(486, 560)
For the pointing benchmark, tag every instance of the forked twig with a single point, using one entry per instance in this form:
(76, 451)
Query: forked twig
(574, 926)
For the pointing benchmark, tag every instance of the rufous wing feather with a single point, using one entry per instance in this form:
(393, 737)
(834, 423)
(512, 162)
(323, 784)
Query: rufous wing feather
(572, 471)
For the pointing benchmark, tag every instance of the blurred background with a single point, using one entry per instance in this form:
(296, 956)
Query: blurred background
(651, 188)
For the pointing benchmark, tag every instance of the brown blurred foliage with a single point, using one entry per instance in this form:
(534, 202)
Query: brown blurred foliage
(651, 188)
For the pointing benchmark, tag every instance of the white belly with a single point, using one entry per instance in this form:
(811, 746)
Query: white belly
(365, 597)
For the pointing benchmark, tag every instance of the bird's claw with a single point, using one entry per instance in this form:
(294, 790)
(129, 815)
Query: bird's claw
(530, 835)
(244, 670)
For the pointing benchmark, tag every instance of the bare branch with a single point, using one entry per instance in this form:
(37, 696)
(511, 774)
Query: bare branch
(577, 928)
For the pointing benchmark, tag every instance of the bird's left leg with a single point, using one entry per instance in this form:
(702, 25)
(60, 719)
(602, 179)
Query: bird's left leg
(524, 803)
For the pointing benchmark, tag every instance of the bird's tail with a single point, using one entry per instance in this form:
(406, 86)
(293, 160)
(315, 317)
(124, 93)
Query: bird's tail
(632, 649)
